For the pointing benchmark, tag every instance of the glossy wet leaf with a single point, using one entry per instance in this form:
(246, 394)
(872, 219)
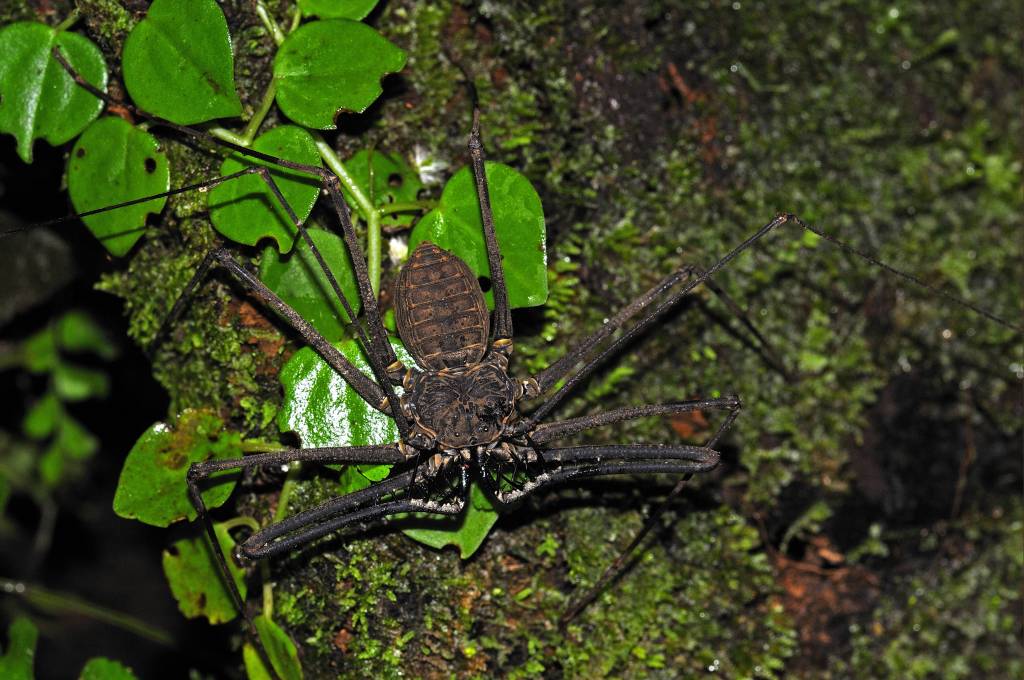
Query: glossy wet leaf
(195, 580)
(113, 162)
(337, 9)
(18, 656)
(394, 181)
(39, 98)
(280, 650)
(178, 63)
(152, 486)
(466, 532)
(326, 67)
(105, 669)
(323, 410)
(77, 332)
(298, 279)
(455, 225)
(246, 211)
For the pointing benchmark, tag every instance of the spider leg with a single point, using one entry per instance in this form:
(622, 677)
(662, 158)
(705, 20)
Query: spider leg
(541, 434)
(369, 390)
(200, 471)
(502, 316)
(379, 352)
(393, 368)
(581, 462)
(340, 512)
(694, 276)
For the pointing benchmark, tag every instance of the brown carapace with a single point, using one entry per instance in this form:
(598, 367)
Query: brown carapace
(457, 400)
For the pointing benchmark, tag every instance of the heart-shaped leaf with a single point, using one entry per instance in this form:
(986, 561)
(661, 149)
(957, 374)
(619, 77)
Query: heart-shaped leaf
(38, 98)
(394, 181)
(337, 9)
(299, 280)
(105, 669)
(455, 225)
(281, 651)
(17, 661)
(113, 162)
(178, 64)
(195, 580)
(152, 486)
(246, 211)
(326, 67)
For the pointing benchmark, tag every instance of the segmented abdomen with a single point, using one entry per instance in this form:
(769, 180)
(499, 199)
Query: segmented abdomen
(440, 309)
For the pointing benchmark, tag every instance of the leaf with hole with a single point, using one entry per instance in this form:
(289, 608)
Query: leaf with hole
(394, 181)
(455, 225)
(245, 209)
(195, 579)
(298, 279)
(326, 67)
(281, 651)
(337, 9)
(152, 486)
(39, 98)
(113, 162)
(178, 63)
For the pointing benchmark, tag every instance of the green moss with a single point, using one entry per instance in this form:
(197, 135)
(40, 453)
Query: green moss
(957, 617)
(899, 133)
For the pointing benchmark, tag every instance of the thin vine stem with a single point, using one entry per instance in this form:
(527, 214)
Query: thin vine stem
(66, 604)
(364, 207)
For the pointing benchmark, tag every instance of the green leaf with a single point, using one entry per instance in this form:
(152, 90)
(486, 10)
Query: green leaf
(195, 580)
(152, 486)
(246, 211)
(394, 181)
(281, 651)
(326, 67)
(77, 332)
(466, 532)
(41, 352)
(323, 410)
(72, 445)
(40, 99)
(178, 64)
(105, 669)
(337, 9)
(298, 279)
(41, 420)
(16, 663)
(75, 383)
(113, 162)
(455, 225)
